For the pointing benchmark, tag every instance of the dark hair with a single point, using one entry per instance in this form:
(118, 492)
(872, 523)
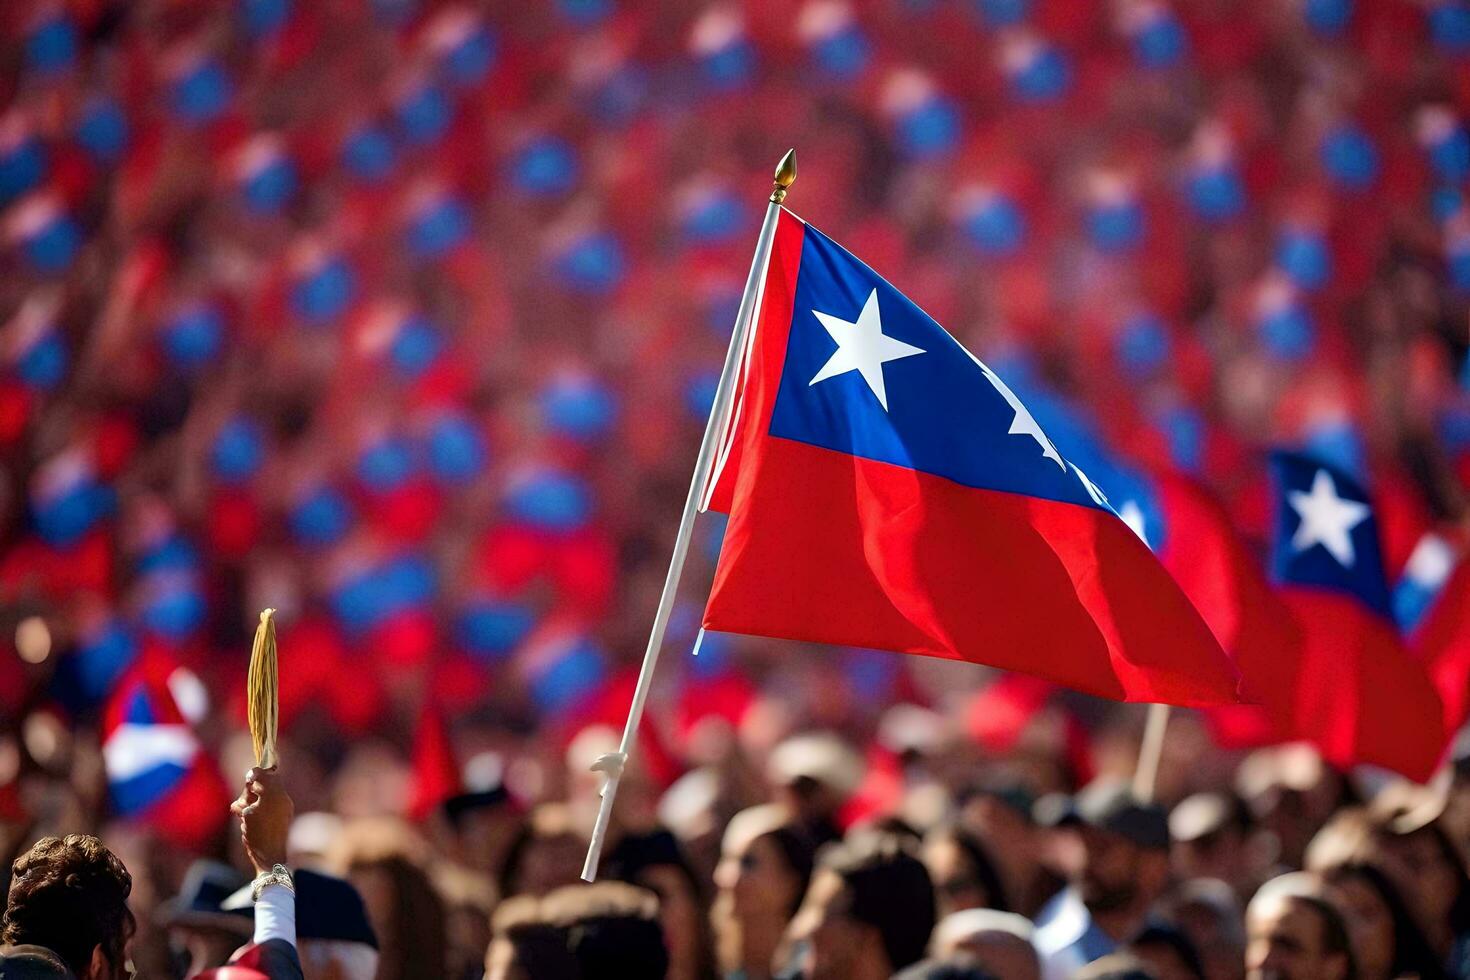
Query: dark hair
(414, 943)
(1412, 953)
(540, 948)
(637, 854)
(1116, 966)
(1160, 934)
(959, 967)
(612, 928)
(986, 872)
(1460, 909)
(799, 855)
(548, 821)
(1334, 930)
(541, 951)
(890, 890)
(70, 895)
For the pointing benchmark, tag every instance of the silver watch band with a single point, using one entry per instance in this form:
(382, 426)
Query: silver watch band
(279, 874)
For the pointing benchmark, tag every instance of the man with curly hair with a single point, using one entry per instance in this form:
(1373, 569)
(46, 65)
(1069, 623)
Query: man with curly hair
(69, 895)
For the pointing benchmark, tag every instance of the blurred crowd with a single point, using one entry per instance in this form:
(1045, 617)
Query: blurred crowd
(403, 317)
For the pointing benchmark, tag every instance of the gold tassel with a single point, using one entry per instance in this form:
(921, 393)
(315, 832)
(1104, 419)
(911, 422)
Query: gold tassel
(261, 691)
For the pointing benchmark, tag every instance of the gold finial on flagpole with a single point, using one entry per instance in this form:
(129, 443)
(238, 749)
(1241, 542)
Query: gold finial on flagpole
(785, 177)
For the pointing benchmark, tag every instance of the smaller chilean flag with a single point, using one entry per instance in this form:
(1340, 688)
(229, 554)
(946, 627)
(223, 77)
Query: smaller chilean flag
(1433, 601)
(886, 489)
(1356, 692)
(157, 773)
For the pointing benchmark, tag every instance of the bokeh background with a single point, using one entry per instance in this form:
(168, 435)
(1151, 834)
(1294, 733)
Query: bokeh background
(403, 317)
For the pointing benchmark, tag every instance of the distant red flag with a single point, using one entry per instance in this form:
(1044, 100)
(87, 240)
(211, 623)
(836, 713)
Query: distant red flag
(435, 773)
(1218, 572)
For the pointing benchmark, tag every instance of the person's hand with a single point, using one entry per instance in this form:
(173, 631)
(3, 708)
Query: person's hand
(265, 811)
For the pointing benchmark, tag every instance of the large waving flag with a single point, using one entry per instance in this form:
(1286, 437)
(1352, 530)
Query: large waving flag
(886, 489)
(157, 772)
(1356, 692)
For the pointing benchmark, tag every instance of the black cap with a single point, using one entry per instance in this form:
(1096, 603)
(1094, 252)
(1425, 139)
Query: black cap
(206, 885)
(1012, 792)
(462, 804)
(1110, 805)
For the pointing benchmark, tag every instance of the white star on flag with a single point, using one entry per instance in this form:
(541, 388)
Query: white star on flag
(862, 347)
(1326, 519)
(1024, 424)
(1093, 490)
(1132, 515)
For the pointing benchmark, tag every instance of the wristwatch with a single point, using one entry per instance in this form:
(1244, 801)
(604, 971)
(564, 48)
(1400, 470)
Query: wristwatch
(279, 874)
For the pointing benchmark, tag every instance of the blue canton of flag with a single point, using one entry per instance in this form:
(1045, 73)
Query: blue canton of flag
(1326, 533)
(146, 757)
(870, 374)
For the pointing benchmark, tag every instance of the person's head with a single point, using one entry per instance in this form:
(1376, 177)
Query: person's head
(1387, 942)
(32, 963)
(1291, 792)
(868, 912)
(958, 967)
(655, 861)
(1168, 953)
(1431, 873)
(1001, 943)
(1210, 834)
(196, 924)
(611, 928)
(765, 864)
(964, 875)
(484, 823)
(468, 898)
(1116, 966)
(1292, 933)
(813, 776)
(524, 946)
(1124, 847)
(70, 895)
(1208, 912)
(999, 810)
(385, 861)
(545, 853)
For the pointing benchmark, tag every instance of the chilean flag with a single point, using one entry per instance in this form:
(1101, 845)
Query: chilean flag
(157, 773)
(1433, 603)
(1355, 692)
(886, 489)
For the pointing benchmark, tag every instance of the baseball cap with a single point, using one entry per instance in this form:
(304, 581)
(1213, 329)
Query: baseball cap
(1110, 805)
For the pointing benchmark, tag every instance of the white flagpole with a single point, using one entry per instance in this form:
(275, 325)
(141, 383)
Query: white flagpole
(1149, 752)
(611, 764)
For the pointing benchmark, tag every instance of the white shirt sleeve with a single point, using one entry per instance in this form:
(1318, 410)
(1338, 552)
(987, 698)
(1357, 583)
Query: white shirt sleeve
(275, 914)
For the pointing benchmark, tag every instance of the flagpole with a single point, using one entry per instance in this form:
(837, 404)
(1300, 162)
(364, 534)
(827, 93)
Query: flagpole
(611, 764)
(1149, 752)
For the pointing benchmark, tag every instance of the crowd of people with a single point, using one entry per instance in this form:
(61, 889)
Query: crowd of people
(403, 317)
(1294, 872)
